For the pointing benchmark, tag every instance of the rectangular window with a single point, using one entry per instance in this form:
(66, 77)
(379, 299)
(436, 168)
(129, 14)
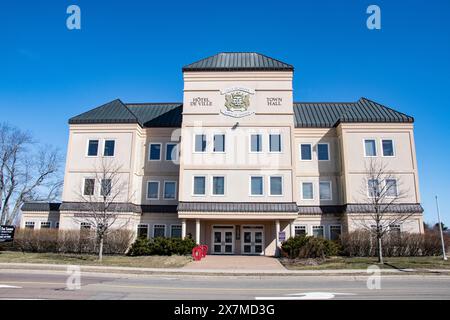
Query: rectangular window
(317, 231)
(89, 185)
(153, 190)
(108, 150)
(154, 152)
(276, 186)
(323, 153)
(275, 143)
(46, 225)
(199, 186)
(106, 188)
(93, 148)
(175, 231)
(370, 148)
(256, 143)
(335, 232)
(305, 151)
(373, 188)
(388, 148)
(159, 231)
(218, 188)
(256, 186)
(142, 231)
(300, 231)
(391, 188)
(85, 226)
(307, 191)
(171, 152)
(200, 143)
(29, 225)
(394, 229)
(325, 190)
(170, 190)
(219, 143)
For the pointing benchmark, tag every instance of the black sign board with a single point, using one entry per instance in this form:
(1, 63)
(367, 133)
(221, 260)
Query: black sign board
(7, 233)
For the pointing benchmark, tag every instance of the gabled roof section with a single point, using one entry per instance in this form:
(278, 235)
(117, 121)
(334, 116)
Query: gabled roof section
(238, 61)
(330, 114)
(111, 112)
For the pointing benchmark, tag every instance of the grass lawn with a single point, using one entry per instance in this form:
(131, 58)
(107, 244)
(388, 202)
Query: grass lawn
(364, 262)
(87, 259)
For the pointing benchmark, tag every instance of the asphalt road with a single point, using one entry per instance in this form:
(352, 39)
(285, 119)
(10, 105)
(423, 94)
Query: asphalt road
(28, 284)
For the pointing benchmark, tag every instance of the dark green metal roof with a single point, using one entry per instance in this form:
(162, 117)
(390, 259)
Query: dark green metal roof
(330, 114)
(238, 61)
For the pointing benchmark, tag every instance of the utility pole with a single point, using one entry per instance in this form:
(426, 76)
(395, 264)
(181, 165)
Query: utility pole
(440, 229)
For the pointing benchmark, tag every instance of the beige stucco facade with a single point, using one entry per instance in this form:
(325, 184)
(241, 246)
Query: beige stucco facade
(269, 112)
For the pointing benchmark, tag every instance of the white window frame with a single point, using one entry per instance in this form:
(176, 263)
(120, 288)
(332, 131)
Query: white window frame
(159, 225)
(100, 189)
(206, 141)
(164, 189)
(166, 151)
(331, 189)
(304, 226)
(368, 188)
(332, 226)
(250, 142)
(396, 188)
(224, 142)
(98, 148)
(318, 226)
(147, 189)
(281, 141)
(396, 225)
(328, 150)
(177, 225)
(382, 149)
(300, 151)
(224, 186)
(250, 186)
(84, 184)
(45, 222)
(104, 145)
(193, 184)
(282, 185)
(30, 223)
(150, 150)
(364, 147)
(301, 191)
(141, 225)
(85, 224)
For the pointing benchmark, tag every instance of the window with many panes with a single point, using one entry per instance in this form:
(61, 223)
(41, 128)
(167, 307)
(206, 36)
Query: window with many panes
(89, 185)
(276, 186)
(175, 231)
(370, 148)
(29, 224)
(108, 149)
(317, 231)
(300, 231)
(335, 232)
(92, 148)
(153, 190)
(218, 186)
(170, 190)
(325, 190)
(373, 186)
(171, 152)
(256, 186)
(159, 230)
(323, 152)
(307, 191)
(85, 226)
(305, 151)
(199, 185)
(395, 230)
(154, 152)
(275, 142)
(219, 143)
(46, 225)
(200, 143)
(142, 231)
(391, 188)
(256, 143)
(388, 147)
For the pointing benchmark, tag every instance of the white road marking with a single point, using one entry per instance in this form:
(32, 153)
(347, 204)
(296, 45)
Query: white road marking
(307, 296)
(5, 286)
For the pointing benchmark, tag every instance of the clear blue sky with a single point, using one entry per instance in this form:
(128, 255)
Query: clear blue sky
(134, 50)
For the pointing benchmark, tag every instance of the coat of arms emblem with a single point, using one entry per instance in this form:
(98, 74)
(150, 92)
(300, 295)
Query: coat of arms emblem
(237, 101)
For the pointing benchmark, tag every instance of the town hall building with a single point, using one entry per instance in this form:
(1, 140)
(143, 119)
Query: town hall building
(238, 165)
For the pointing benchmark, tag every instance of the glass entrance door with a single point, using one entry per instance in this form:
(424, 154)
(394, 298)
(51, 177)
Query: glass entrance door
(253, 240)
(223, 240)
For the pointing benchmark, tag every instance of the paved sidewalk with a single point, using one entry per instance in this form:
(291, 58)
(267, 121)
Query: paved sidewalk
(236, 263)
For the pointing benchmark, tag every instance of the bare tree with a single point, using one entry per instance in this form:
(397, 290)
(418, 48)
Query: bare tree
(28, 172)
(104, 199)
(382, 191)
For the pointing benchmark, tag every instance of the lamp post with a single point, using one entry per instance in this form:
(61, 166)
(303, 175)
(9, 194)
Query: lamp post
(440, 229)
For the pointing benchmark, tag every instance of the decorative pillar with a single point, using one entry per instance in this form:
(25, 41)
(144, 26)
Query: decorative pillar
(183, 228)
(197, 231)
(292, 229)
(277, 240)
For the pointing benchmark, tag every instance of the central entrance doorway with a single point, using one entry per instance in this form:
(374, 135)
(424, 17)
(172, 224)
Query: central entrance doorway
(223, 240)
(253, 240)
